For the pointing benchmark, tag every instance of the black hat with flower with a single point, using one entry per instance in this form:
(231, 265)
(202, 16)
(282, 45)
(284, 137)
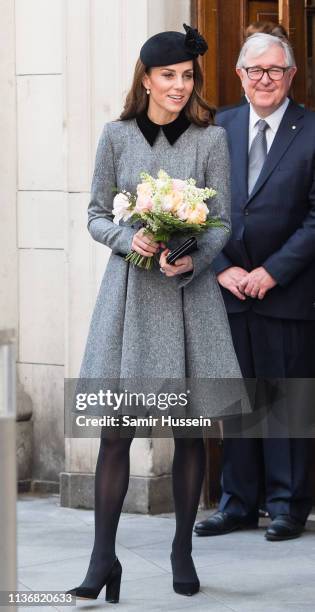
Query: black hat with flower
(168, 48)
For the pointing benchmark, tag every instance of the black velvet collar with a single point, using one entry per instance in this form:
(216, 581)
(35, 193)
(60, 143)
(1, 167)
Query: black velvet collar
(171, 130)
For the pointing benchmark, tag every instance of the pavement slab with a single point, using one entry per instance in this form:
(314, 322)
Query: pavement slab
(239, 572)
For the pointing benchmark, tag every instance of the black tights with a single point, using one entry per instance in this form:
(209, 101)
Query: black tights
(111, 484)
(188, 474)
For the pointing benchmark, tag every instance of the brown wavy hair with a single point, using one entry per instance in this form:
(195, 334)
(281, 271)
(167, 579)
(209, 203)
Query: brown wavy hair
(266, 27)
(197, 109)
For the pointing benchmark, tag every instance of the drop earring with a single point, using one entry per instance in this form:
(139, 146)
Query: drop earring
(148, 92)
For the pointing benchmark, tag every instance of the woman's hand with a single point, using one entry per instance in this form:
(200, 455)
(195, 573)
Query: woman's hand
(182, 265)
(144, 244)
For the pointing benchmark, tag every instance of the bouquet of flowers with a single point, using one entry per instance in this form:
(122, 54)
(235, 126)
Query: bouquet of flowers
(165, 206)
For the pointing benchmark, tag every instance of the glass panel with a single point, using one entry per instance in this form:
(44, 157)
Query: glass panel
(7, 380)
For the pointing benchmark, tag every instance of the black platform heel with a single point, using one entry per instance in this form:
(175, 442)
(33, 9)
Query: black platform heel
(188, 588)
(112, 582)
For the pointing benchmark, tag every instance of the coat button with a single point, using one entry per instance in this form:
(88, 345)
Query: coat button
(313, 304)
(246, 213)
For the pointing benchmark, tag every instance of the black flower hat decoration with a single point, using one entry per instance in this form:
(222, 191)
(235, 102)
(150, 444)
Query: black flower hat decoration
(194, 41)
(168, 48)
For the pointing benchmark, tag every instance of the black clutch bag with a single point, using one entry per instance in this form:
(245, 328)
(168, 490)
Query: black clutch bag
(188, 247)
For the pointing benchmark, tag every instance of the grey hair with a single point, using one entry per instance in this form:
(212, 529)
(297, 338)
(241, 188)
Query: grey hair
(258, 43)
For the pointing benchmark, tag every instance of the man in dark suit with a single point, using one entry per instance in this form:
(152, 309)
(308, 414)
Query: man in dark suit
(267, 276)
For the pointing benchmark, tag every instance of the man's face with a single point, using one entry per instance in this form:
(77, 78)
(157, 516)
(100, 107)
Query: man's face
(266, 95)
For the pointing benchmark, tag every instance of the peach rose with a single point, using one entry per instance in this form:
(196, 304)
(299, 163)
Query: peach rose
(144, 190)
(172, 202)
(144, 201)
(143, 204)
(198, 214)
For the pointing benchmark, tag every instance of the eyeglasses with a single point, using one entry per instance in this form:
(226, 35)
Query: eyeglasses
(275, 73)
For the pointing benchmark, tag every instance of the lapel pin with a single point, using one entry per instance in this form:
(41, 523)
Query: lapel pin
(293, 127)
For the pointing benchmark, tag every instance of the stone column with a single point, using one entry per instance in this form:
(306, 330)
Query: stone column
(8, 177)
(102, 44)
(41, 223)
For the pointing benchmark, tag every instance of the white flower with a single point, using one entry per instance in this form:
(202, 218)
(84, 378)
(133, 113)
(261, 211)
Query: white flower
(182, 212)
(179, 185)
(121, 208)
(166, 204)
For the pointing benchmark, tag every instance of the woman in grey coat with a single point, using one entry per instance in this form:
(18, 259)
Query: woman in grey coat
(169, 322)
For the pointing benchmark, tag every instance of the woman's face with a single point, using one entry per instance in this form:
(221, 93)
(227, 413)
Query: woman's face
(170, 87)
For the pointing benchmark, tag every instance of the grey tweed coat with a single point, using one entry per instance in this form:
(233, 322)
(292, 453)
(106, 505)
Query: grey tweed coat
(145, 324)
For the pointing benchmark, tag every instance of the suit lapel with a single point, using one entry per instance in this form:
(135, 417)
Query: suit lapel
(239, 147)
(289, 127)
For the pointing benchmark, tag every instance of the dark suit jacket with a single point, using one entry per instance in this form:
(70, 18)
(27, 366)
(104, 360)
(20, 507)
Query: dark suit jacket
(242, 101)
(275, 226)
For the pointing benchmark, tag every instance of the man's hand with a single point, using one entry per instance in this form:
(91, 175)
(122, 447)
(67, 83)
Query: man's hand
(231, 278)
(256, 283)
(180, 266)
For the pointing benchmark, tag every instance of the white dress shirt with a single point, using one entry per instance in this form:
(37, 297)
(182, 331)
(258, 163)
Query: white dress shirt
(273, 121)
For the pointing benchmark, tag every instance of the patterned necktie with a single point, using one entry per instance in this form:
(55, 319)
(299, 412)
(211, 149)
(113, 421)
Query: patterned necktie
(257, 154)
